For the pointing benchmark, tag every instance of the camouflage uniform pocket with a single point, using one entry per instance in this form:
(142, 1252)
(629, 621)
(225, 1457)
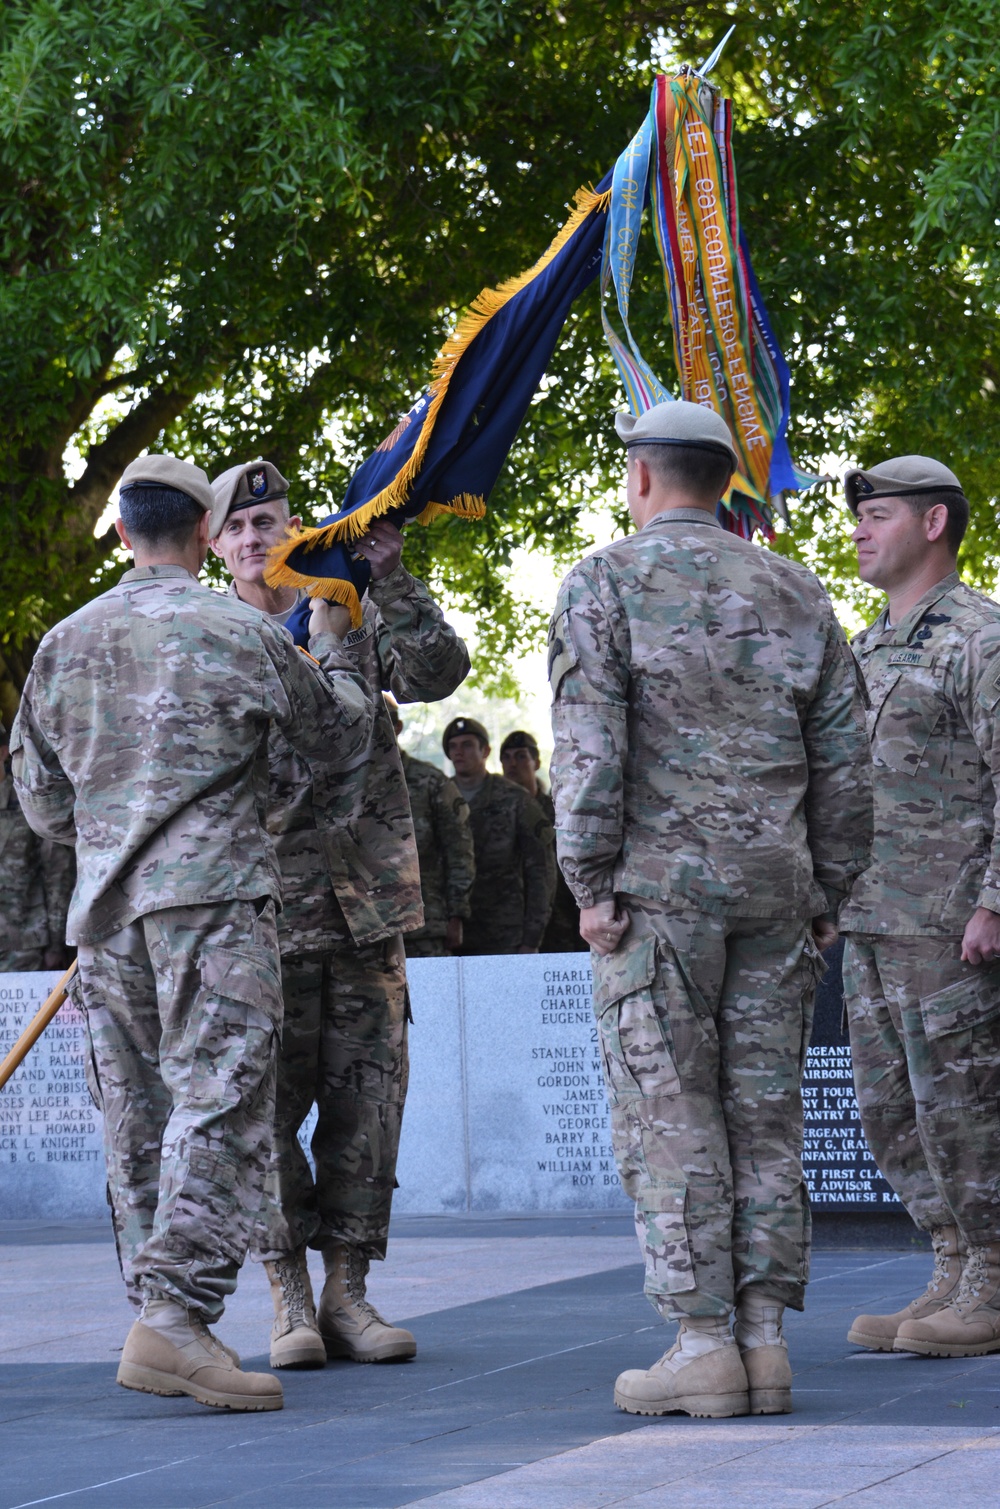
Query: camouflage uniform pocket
(965, 1004)
(906, 709)
(666, 1238)
(230, 1039)
(635, 1052)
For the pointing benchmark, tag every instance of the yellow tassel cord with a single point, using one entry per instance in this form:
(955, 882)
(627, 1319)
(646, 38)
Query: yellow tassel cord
(464, 506)
(482, 309)
(332, 588)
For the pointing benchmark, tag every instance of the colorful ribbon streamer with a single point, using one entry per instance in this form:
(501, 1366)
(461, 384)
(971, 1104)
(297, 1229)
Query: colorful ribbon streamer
(724, 348)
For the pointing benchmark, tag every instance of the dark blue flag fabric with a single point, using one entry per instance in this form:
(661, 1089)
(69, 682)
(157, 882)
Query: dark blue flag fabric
(445, 455)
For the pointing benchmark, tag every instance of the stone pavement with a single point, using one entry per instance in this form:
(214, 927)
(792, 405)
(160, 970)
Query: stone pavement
(522, 1326)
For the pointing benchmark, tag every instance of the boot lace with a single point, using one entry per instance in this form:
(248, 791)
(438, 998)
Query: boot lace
(973, 1278)
(293, 1291)
(939, 1243)
(357, 1273)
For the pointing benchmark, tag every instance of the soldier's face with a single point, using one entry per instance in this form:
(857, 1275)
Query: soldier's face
(467, 755)
(248, 535)
(892, 541)
(520, 765)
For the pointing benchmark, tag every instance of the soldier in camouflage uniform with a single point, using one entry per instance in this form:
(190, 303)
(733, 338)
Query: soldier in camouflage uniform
(36, 882)
(515, 857)
(446, 854)
(922, 961)
(713, 805)
(351, 889)
(521, 763)
(142, 738)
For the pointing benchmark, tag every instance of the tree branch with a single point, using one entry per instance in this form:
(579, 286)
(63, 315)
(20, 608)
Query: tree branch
(107, 461)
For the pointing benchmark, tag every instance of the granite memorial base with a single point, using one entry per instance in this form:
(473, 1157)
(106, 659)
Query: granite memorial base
(506, 1109)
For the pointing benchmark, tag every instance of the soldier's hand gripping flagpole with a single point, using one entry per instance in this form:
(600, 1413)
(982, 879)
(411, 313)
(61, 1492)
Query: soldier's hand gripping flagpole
(29, 1037)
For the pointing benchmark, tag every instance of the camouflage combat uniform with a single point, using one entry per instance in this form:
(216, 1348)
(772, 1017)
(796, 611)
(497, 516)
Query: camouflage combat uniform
(351, 887)
(515, 869)
(445, 850)
(36, 882)
(710, 771)
(925, 1028)
(562, 932)
(142, 737)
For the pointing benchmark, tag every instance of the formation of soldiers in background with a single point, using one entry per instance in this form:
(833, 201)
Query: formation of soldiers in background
(731, 788)
(488, 877)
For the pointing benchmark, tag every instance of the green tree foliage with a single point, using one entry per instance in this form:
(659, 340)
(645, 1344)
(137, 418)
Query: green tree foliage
(243, 227)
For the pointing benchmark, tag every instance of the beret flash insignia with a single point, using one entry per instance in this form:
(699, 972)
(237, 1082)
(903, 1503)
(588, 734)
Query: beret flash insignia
(258, 483)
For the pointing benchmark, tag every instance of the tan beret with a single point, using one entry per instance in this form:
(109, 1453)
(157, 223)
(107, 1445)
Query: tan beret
(678, 423)
(182, 476)
(902, 477)
(248, 483)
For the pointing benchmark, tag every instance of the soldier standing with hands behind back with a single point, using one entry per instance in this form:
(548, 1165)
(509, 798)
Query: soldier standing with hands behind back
(922, 962)
(713, 805)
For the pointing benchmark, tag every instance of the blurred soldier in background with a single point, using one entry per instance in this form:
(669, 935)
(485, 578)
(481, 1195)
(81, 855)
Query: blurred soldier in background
(922, 961)
(36, 883)
(142, 738)
(515, 858)
(521, 763)
(445, 849)
(713, 805)
(351, 888)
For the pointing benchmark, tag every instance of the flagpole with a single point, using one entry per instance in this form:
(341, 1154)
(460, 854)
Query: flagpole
(29, 1037)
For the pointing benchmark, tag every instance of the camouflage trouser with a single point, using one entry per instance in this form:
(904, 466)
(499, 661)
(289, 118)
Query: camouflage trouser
(344, 1047)
(22, 961)
(925, 1038)
(183, 1009)
(703, 1024)
(426, 946)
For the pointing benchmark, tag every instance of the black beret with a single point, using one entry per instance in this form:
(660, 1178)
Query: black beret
(520, 740)
(464, 726)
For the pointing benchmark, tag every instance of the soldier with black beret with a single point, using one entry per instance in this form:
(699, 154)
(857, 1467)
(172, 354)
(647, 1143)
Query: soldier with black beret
(515, 857)
(521, 763)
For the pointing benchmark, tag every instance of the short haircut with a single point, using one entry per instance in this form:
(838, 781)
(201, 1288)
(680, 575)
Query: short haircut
(957, 505)
(158, 515)
(701, 473)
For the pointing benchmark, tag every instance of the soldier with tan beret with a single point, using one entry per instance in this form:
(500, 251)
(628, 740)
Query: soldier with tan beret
(922, 961)
(141, 739)
(713, 805)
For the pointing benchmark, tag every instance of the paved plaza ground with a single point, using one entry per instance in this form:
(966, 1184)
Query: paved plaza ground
(522, 1325)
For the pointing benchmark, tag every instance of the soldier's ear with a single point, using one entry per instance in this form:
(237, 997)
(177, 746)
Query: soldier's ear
(935, 521)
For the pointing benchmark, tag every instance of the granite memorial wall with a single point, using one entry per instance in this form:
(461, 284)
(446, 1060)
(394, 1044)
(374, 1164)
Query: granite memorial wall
(506, 1108)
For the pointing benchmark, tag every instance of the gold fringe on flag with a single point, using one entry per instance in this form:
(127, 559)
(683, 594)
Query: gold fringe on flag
(484, 306)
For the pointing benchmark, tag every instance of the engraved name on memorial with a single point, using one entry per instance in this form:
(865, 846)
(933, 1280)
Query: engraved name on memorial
(51, 1159)
(506, 1108)
(577, 1129)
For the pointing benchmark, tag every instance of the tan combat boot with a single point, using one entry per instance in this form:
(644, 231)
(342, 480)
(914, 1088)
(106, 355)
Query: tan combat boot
(878, 1332)
(172, 1352)
(349, 1325)
(969, 1326)
(764, 1352)
(698, 1376)
(295, 1338)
